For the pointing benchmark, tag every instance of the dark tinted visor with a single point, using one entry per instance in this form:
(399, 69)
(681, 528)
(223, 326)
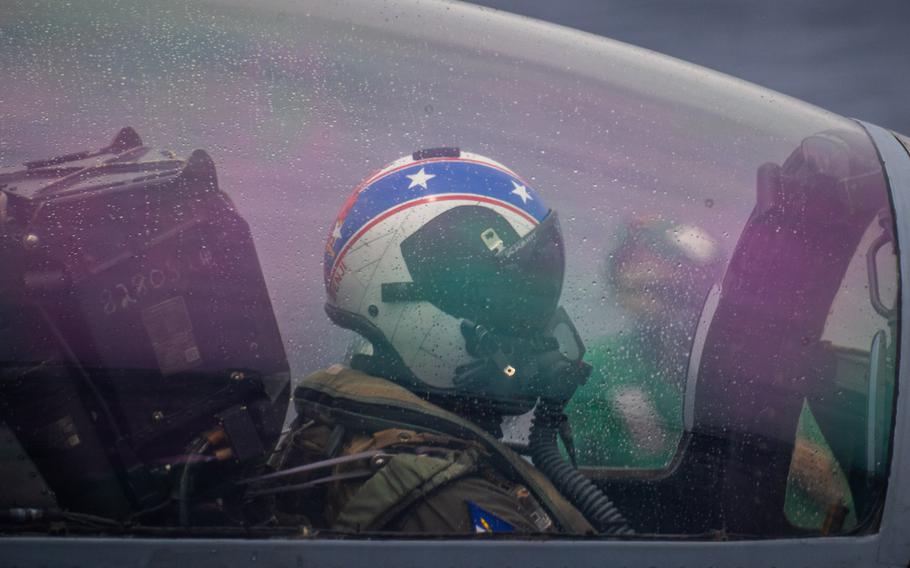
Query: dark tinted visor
(471, 263)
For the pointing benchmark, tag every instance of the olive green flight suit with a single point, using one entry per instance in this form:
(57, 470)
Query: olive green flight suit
(411, 480)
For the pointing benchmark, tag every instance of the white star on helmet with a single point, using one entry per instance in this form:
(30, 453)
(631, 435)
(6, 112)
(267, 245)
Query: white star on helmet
(522, 192)
(420, 178)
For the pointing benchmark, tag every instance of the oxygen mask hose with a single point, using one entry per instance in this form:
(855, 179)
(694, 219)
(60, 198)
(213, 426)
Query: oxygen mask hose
(536, 368)
(590, 500)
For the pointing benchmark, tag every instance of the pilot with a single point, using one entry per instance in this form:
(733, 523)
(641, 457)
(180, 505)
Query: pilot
(449, 266)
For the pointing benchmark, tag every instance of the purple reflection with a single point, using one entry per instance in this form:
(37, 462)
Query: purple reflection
(764, 355)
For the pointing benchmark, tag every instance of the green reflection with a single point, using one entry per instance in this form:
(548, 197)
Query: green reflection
(816, 482)
(627, 414)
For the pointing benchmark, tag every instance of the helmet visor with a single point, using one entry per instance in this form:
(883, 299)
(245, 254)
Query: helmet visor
(472, 264)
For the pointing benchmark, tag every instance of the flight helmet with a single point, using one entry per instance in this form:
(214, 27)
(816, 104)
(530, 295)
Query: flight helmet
(450, 266)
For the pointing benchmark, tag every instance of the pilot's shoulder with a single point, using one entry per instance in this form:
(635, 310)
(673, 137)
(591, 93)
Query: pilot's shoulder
(342, 382)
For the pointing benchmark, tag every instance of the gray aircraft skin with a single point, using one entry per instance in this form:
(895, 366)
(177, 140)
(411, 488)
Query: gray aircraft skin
(296, 103)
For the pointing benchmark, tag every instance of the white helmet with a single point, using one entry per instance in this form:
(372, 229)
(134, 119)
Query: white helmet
(451, 266)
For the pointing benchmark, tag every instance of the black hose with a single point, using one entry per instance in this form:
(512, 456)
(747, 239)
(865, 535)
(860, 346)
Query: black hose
(587, 497)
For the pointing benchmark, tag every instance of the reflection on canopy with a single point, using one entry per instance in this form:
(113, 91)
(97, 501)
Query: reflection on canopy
(297, 103)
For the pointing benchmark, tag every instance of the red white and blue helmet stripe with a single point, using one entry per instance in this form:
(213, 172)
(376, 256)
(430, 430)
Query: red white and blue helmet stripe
(413, 180)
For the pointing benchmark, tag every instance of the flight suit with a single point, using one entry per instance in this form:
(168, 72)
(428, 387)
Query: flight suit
(385, 476)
